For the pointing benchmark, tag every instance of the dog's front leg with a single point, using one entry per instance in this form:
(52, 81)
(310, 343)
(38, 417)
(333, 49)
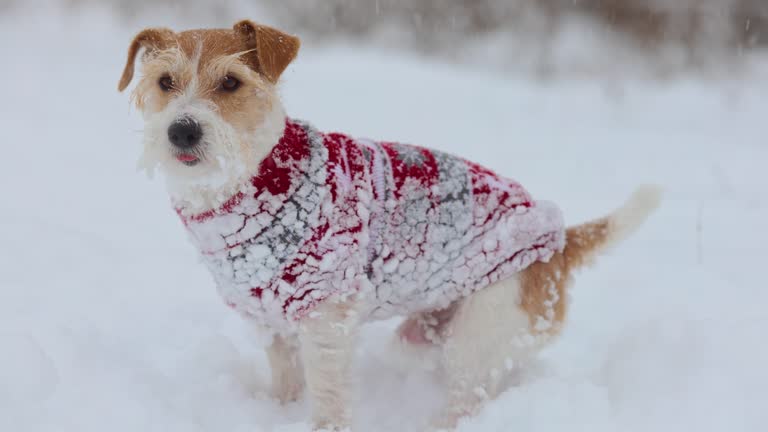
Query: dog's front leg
(327, 340)
(287, 372)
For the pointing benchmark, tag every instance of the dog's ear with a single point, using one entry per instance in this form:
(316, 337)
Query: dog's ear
(149, 39)
(273, 50)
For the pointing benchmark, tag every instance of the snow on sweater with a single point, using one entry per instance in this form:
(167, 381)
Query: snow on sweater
(406, 228)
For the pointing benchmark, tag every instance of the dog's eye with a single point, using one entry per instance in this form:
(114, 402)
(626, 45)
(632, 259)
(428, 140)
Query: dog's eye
(229, 84)
(166, 83)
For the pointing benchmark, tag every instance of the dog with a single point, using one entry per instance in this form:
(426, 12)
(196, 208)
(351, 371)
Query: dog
(311, 235)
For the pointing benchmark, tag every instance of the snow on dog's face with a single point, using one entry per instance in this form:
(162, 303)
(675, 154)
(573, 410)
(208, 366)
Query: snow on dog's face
(209, 101)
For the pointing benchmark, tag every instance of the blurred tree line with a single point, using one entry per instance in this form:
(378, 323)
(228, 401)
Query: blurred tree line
(728, 22)
(702, 30)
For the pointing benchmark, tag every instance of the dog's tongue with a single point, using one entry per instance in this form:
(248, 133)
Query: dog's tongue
(186, 157)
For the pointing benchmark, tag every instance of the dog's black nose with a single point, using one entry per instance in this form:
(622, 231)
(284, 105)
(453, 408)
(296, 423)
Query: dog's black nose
(185, 132)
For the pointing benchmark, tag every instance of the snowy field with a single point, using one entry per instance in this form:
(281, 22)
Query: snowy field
(109, 323)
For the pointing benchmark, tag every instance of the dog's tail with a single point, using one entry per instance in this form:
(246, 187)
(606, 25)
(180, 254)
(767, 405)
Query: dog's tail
(544, 284)
(584, 242)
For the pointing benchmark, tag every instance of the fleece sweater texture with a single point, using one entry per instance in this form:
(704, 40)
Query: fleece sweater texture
(404, 228)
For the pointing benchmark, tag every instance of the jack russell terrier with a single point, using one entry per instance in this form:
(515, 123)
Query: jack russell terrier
(311, 234)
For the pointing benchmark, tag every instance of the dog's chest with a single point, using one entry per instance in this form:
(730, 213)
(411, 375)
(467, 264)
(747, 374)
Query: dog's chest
(262, 243)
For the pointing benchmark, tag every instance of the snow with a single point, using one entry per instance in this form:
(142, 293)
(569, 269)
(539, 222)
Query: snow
(108, 320)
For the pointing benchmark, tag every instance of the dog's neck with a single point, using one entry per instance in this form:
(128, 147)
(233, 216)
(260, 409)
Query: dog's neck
(199, 196)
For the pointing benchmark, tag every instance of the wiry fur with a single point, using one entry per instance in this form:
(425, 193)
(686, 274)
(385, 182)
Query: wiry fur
(228, 155)
(478, 342)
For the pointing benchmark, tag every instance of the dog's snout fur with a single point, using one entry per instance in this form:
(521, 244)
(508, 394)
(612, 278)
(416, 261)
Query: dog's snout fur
(185, 133)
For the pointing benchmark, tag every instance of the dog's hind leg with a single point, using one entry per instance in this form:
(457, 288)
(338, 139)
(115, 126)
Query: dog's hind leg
(487, 339)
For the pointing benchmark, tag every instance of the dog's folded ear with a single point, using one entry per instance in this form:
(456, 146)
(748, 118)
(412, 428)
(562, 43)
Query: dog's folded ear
(149, 39)
(273, 50)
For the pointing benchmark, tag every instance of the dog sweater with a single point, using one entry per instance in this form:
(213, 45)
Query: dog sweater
(404, 228)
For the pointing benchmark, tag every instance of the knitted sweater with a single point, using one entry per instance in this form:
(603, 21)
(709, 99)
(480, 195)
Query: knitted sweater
(405, 228)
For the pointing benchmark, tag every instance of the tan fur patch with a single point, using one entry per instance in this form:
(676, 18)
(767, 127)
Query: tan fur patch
(264, 49)
(150, 40)
(274, 50)
(544, 286)
(199, 60)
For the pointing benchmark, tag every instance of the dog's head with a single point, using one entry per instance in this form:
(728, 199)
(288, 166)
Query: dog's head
(209, 99)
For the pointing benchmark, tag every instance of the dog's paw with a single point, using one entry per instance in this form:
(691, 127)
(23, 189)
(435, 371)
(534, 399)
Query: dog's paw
(329, 428)
(287, 392)
(441, 426)
(445, 422)
(450, 416)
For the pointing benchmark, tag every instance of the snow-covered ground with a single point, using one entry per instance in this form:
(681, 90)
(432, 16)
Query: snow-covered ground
(108, 322)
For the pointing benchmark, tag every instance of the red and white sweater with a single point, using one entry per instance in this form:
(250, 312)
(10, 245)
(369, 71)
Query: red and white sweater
(405, 228)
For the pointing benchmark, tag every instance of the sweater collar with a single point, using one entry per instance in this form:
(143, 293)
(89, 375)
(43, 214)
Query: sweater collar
(275, 173)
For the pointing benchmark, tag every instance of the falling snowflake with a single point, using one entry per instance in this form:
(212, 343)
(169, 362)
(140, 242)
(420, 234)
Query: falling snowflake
(410, 156)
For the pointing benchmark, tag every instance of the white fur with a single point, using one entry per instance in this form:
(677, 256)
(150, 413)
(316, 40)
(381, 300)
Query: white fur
(287, 369)
(476, 368)
(222, 167)
(487, 340)
(327, 339)
(627, 219)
